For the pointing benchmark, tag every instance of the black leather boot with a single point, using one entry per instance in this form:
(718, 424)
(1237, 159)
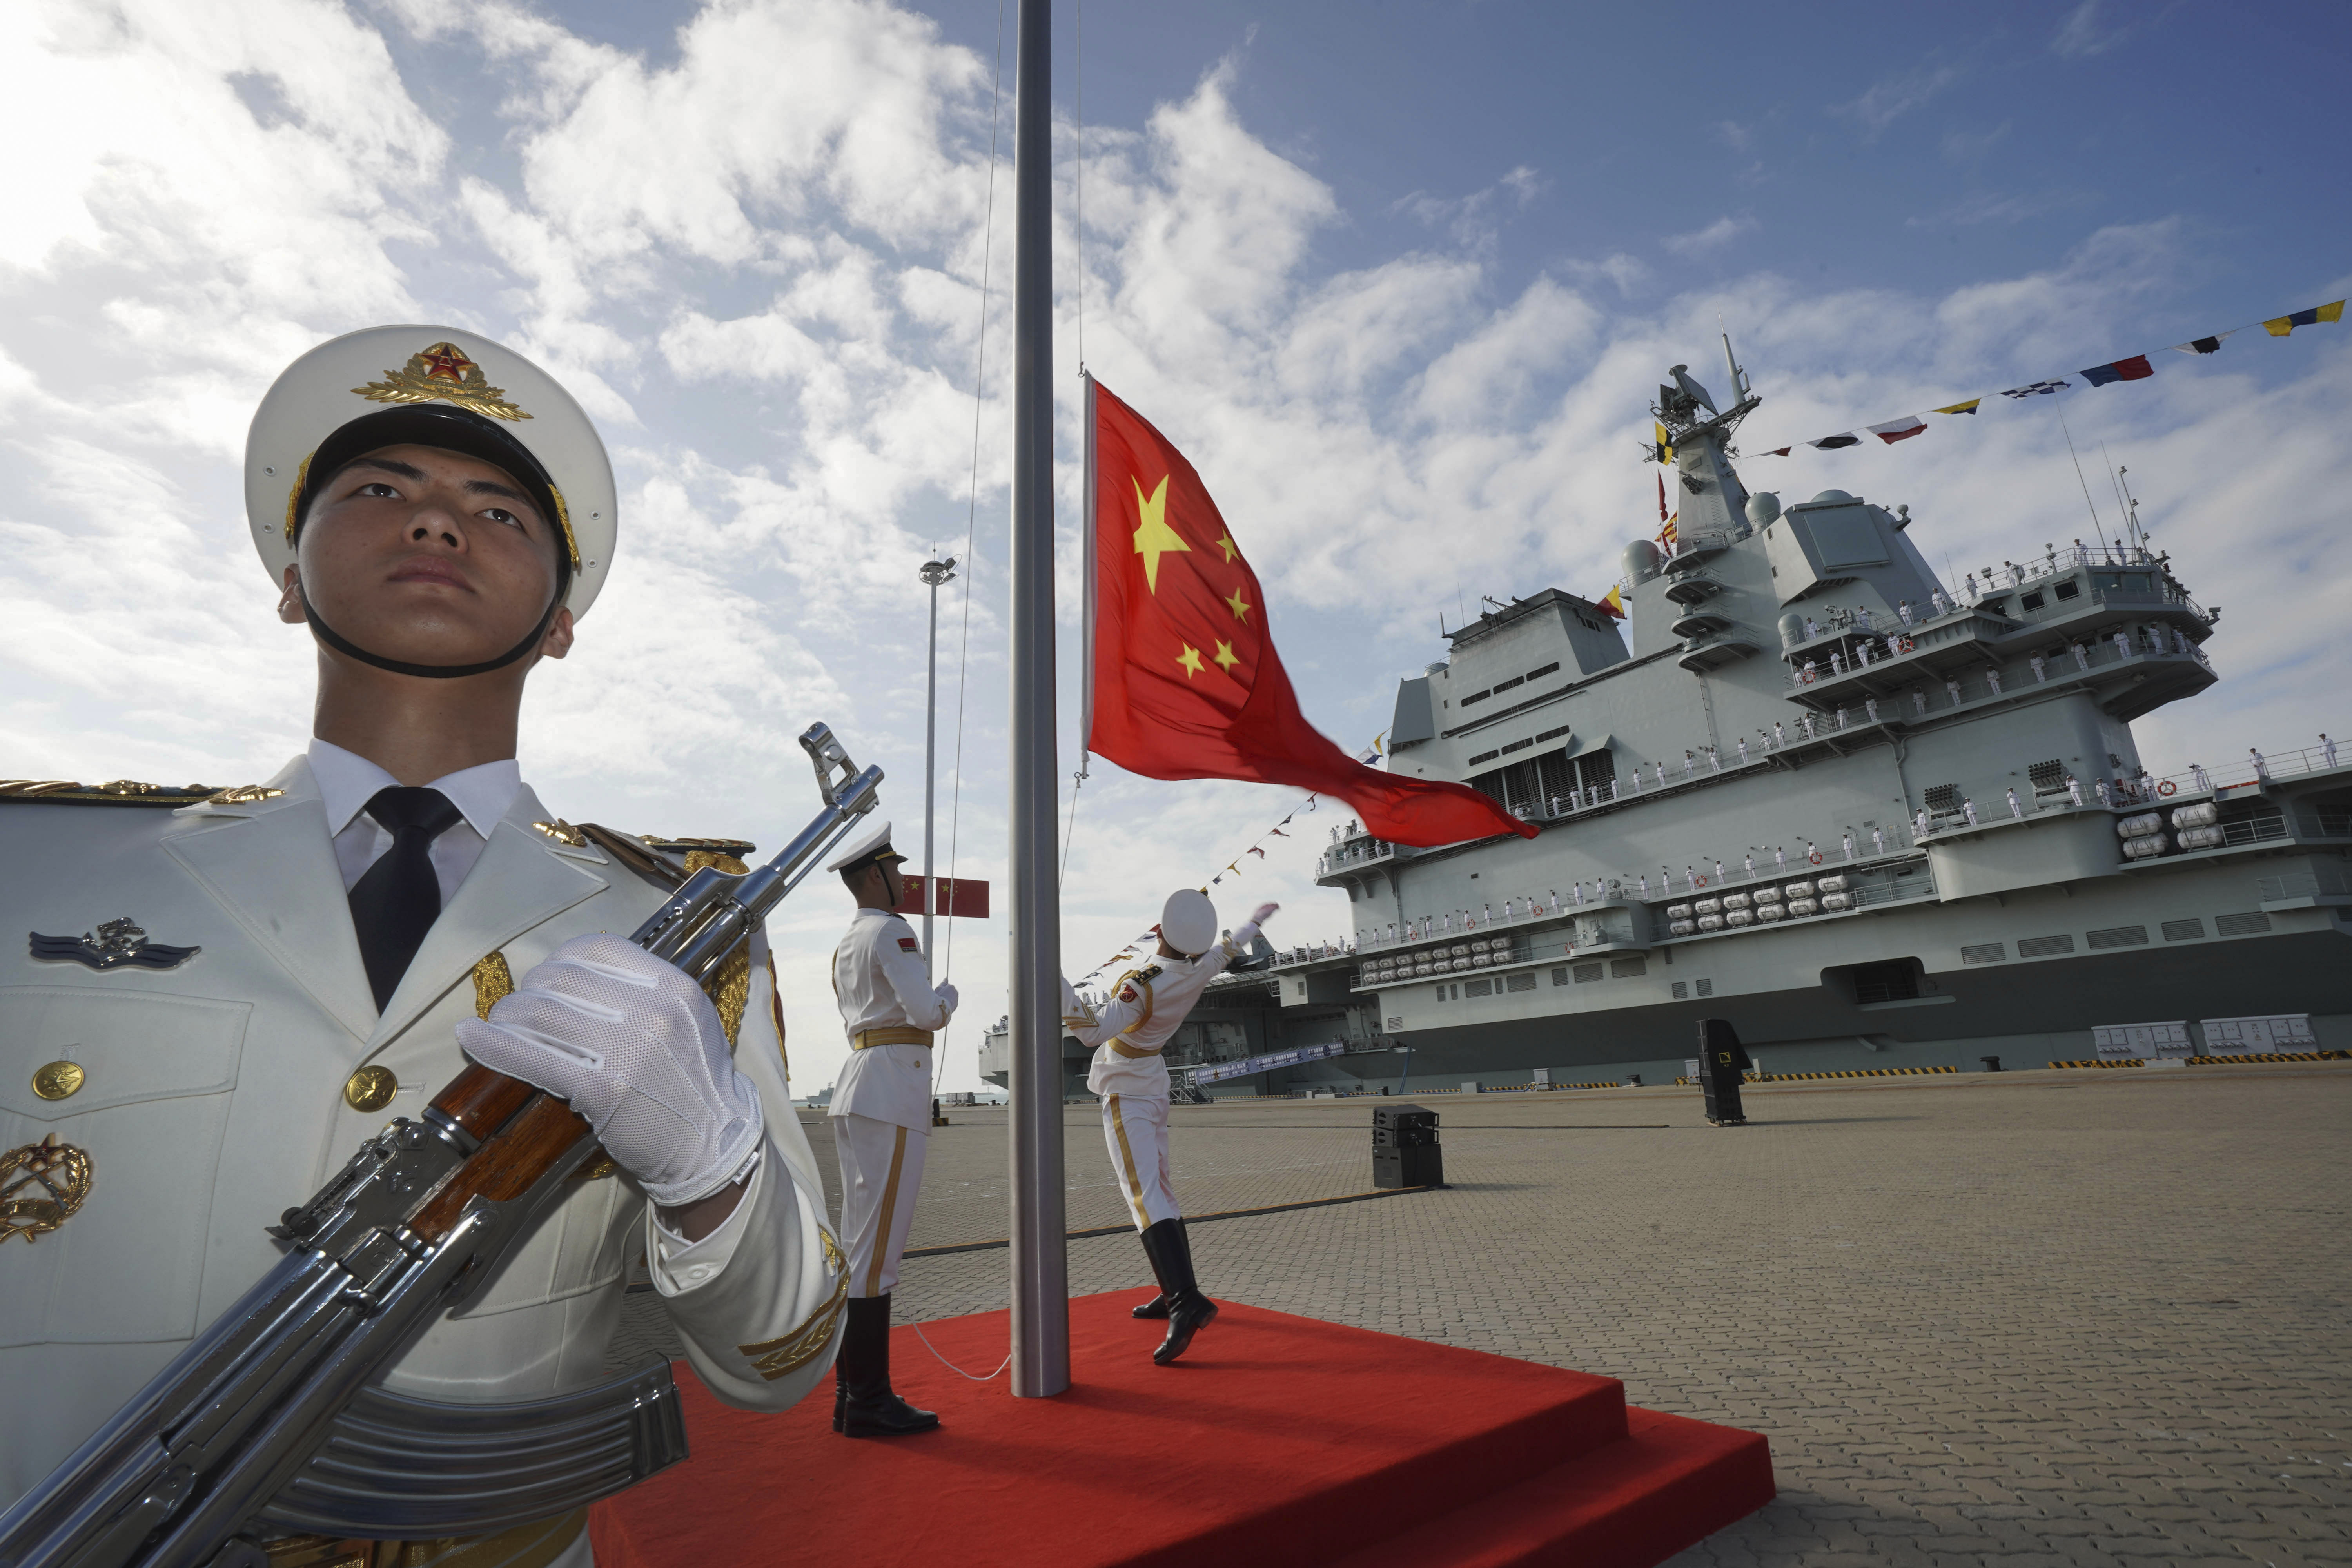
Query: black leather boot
(869, 1408)
(840, 1387)
(1157, 1306)
(1189, 1311)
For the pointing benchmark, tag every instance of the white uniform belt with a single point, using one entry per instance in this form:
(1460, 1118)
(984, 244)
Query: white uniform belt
(1119, 1043)
(890, 1034)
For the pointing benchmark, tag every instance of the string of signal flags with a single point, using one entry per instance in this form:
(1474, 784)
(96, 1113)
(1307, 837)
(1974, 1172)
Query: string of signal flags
(1183, 679)
(2135, 367)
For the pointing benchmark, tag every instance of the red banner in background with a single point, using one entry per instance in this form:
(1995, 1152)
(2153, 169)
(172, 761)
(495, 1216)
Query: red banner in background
(965, 898)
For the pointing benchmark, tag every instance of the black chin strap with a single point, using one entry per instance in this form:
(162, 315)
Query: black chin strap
(350, 650)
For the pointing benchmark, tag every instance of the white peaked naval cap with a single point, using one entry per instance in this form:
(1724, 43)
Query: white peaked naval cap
(432, 386)
(873, 845)
(1189, 920)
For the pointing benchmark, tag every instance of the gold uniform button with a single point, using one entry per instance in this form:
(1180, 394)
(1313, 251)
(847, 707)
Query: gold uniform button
(58, 1080)
(371, 1089)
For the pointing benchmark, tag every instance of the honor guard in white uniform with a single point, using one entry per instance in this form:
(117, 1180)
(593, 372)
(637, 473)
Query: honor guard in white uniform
(1128, 1032)
(228, 990)
(881, 1124)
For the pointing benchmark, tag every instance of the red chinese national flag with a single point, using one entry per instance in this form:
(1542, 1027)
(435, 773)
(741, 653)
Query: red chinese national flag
(1186, 683)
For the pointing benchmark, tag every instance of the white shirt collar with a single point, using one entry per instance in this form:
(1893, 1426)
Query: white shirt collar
(347, 782)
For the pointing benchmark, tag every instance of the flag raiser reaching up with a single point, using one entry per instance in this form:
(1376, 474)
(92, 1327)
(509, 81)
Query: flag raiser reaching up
(1184, 682)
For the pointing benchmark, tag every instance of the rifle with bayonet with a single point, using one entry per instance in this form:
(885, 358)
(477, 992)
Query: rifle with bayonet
(273, 1420)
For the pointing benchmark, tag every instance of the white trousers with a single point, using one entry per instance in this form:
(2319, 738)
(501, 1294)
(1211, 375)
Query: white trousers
(881, 1171)
(1137, 1130)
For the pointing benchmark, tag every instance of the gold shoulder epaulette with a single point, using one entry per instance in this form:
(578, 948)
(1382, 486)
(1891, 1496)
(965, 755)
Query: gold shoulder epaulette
(663, 861)
(120, 792)
(737, 848)
(636, 854)
(728, 854)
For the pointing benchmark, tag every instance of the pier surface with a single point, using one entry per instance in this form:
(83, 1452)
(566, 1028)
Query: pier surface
(2015, 1319)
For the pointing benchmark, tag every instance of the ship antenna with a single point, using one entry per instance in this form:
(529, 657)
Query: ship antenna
(2122, 499)
(2097, 526)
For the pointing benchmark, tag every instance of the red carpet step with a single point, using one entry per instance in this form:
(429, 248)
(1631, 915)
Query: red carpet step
(1275, 1439)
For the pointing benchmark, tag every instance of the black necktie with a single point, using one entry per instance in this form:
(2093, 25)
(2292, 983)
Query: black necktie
(399, 898)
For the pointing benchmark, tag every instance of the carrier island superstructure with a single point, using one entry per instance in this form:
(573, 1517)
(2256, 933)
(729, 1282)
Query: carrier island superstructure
(1874, 818)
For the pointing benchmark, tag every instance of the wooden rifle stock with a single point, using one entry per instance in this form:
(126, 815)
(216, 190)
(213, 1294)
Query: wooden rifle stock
(523, 1131)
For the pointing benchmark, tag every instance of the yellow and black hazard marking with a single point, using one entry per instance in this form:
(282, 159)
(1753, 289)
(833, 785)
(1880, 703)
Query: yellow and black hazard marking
(2273, 1057)
(1849, 1072)
(2221, 1061)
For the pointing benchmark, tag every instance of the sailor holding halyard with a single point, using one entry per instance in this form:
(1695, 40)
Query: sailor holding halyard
(1146, 1008)
(881, 1125)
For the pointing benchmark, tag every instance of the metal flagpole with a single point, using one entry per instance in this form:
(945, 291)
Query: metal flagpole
(1041, 1289)
(934, 573)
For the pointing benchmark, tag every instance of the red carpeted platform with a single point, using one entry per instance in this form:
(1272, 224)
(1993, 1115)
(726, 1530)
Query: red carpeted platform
(1275, 1439)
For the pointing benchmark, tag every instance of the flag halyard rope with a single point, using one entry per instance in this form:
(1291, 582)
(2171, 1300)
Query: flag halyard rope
(972, 519)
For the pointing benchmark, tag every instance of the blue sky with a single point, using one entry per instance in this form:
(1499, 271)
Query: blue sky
(1870, 144)
(1399, 279)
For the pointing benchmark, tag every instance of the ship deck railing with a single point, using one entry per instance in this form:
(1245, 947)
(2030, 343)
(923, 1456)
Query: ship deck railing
(2124, 795)
(1697, 544)
(1899, 847)
(2015, 574)
(1927, 660)
(1357, 851)
(2244, 773)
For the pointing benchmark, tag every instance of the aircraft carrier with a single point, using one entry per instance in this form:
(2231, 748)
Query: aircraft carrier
(1875, 820)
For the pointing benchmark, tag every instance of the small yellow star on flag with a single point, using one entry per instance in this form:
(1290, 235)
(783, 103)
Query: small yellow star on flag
(1225, 656)
(1240, 606)
(1153, 537)
(1191, 660)
(1226, 545)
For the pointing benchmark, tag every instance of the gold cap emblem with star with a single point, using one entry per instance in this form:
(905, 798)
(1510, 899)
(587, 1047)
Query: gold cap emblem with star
(371, 371)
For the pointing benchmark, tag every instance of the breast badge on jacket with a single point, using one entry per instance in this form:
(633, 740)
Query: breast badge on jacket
(41, 1186)
(113, 945)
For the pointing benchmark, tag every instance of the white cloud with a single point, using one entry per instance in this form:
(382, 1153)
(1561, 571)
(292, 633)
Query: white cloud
(1997, 206)
(1886, 102)
(1719, 233)
(2086, 33)
(1969, 147)
(1623, 272)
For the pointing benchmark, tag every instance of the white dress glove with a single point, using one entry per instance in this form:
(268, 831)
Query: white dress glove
(1248, 930)
(947, 993)
(638, 1049)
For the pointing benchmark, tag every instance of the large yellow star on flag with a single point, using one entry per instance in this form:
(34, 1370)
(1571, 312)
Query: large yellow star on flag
(1226, 658)
(1190, 659)
(1153, 537)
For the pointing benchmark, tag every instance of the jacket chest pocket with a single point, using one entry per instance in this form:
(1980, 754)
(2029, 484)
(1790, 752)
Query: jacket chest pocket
(139, 1085)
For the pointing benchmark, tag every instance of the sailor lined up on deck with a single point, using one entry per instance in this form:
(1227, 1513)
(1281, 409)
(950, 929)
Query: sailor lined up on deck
(1146, 1008)
(881, 1124)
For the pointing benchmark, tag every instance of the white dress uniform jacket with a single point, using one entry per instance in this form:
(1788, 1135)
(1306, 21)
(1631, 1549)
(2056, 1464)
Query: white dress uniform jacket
(879, 980)
(1145, 1007)
(212, 1097)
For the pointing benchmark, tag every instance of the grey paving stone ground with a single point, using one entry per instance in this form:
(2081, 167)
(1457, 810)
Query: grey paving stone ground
(2083, 1318)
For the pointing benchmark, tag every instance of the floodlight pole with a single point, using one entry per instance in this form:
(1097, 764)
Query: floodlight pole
(1040, 1285)
(934, 573)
